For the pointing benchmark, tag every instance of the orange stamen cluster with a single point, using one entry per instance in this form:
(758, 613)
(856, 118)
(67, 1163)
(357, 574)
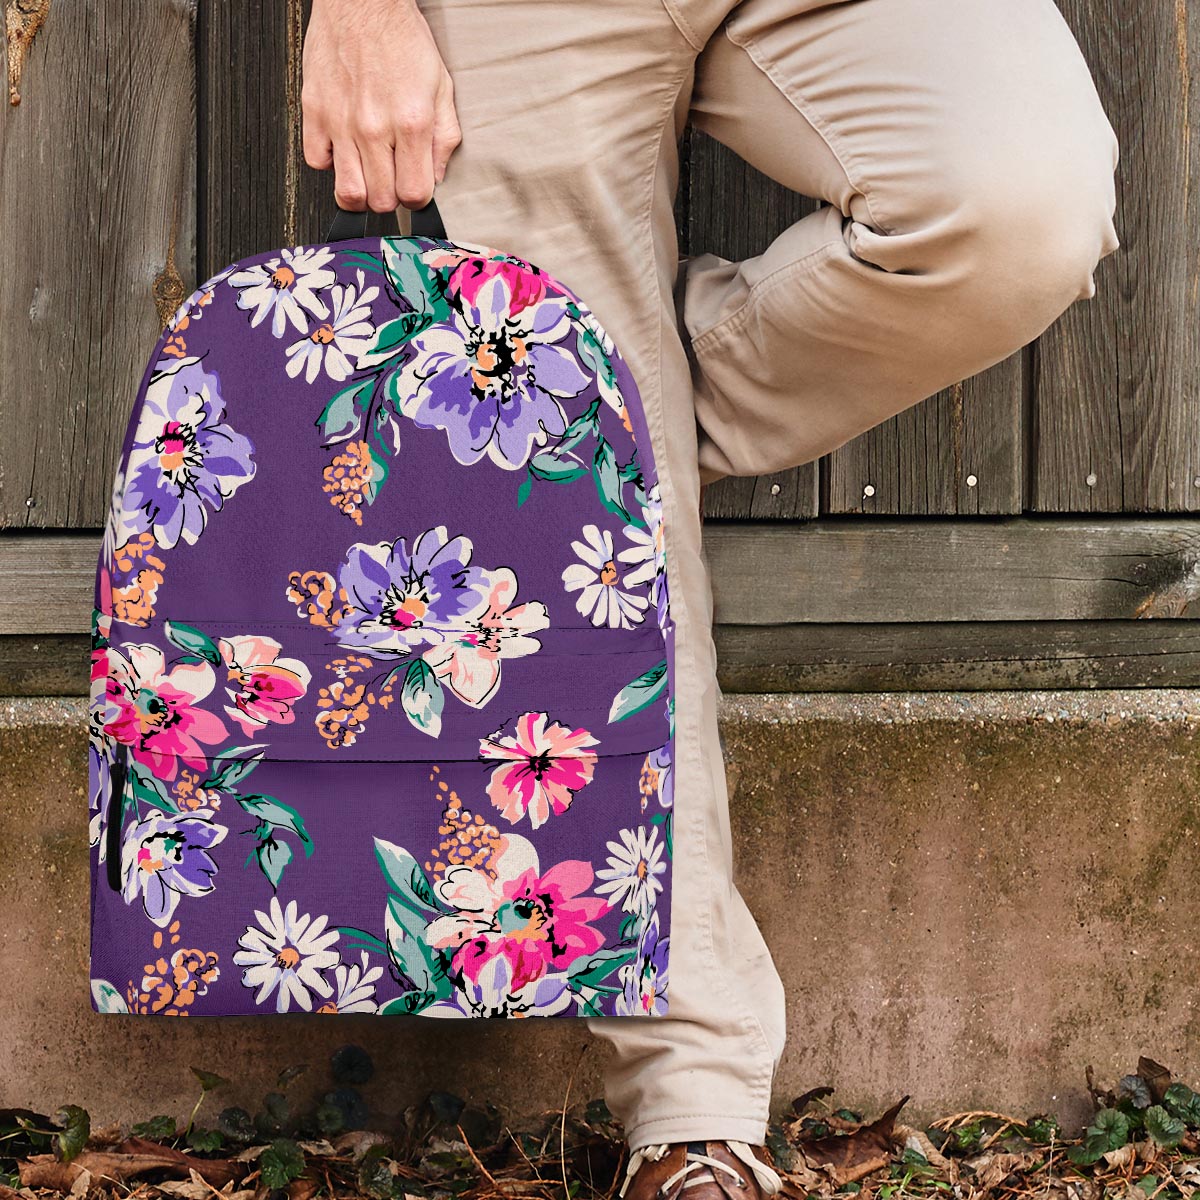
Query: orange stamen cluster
(170, 985)
(347, 479)
(133, 604)
(467, 839)
(347, 701)
(317, 597)
(648, 783)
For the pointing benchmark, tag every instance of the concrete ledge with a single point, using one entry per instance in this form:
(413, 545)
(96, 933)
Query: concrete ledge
(970, 896)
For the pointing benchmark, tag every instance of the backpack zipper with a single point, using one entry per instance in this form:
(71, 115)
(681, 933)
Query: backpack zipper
(118, 774)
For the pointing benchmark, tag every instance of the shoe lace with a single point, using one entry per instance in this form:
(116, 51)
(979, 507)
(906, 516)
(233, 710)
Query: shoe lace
(768, 1179)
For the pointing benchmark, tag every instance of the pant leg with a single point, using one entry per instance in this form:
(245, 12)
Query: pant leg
(969, 171)
(570, 112)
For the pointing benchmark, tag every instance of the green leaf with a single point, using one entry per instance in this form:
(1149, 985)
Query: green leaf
(408, 1004)
(591, 972)
(405, 877)
(228, 768)
(342, 416)
(422, 697)
(148, 790)
(273, 856)
(523, 490)
(189, 638)
(375, 1173)
(1180, 1101)
(277, 815)
(1136, 1089)
(74, 1127)
(608, 480)
(392, 337)
(1109, 1131)
(555, 467)
(636, 695)
(206, 1141)
(157, 1129)
(280, 1163)
(1165, 1129)
(413, 280)
(236, 1125)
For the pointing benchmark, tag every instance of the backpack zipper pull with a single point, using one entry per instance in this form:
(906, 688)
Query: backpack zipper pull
(118, 774)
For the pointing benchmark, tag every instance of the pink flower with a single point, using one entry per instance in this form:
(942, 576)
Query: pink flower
(518, 288)
(469, 661)
(543, 767)
(157, 710)
(266, 686)
(538, 923)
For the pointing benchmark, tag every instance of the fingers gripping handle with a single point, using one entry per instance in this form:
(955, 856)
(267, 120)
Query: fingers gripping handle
(426, 222)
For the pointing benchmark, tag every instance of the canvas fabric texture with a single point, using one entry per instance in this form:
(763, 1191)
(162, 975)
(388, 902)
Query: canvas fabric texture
(381, 713)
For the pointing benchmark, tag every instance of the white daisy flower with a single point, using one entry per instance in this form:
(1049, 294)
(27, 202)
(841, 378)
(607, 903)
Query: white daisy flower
(288, 952)
(337, 342)
(286, 287)
(601, 597)
(646, 556)
(353, 987)
(633, 865)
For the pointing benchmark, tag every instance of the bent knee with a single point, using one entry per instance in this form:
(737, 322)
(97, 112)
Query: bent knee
(1012, 241)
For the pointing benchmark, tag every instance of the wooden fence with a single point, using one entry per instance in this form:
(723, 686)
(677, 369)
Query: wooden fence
(1014, 530)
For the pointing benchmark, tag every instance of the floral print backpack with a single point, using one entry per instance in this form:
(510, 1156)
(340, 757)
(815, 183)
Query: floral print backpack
(381, 708)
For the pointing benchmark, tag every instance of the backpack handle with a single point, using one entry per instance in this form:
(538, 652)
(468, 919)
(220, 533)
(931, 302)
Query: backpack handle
(426, 222)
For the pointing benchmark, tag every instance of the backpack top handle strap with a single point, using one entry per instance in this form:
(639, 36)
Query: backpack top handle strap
(426, 223)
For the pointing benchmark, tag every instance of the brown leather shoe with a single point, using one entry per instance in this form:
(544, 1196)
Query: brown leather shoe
(701, 1171)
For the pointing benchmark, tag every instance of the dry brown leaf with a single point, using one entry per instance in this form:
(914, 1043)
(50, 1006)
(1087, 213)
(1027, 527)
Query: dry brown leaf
(849, 1157)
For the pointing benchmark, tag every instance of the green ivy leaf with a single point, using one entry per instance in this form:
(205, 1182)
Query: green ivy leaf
(1165, 1129)
(191, 639)
(1180, 1101)
(422, 697)
(157, 1129)
(209, 1080)
(280, 1163)
(640, 692)
(74, 1126)
(206, 1141)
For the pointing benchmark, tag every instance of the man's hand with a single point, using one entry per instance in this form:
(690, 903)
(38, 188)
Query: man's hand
(378, 103)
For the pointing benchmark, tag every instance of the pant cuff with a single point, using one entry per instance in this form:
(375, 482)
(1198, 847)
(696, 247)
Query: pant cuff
(697, 1127)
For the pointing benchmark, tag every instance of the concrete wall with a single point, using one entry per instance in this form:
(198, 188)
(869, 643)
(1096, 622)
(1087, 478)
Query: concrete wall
(970, 896)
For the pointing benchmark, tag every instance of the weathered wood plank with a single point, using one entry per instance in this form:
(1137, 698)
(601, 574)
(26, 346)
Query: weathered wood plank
(1013, 568)
(1118, 383)
(56, 664)
(257, 192)
(97, 204)
(959, 452)
(735, 211)
(1005, 569)
(957, 656)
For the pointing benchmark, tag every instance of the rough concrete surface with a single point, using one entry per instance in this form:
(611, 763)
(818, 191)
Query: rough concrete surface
(970, 896)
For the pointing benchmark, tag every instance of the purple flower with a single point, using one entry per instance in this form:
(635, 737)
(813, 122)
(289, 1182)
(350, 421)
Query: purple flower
(165, 857)
(492, 377)
(184, 459)
(403, 599)
(645, 979)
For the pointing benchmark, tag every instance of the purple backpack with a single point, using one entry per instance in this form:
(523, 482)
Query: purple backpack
(381, 707)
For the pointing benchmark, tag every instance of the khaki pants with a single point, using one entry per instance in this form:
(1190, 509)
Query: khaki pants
(969, 172)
